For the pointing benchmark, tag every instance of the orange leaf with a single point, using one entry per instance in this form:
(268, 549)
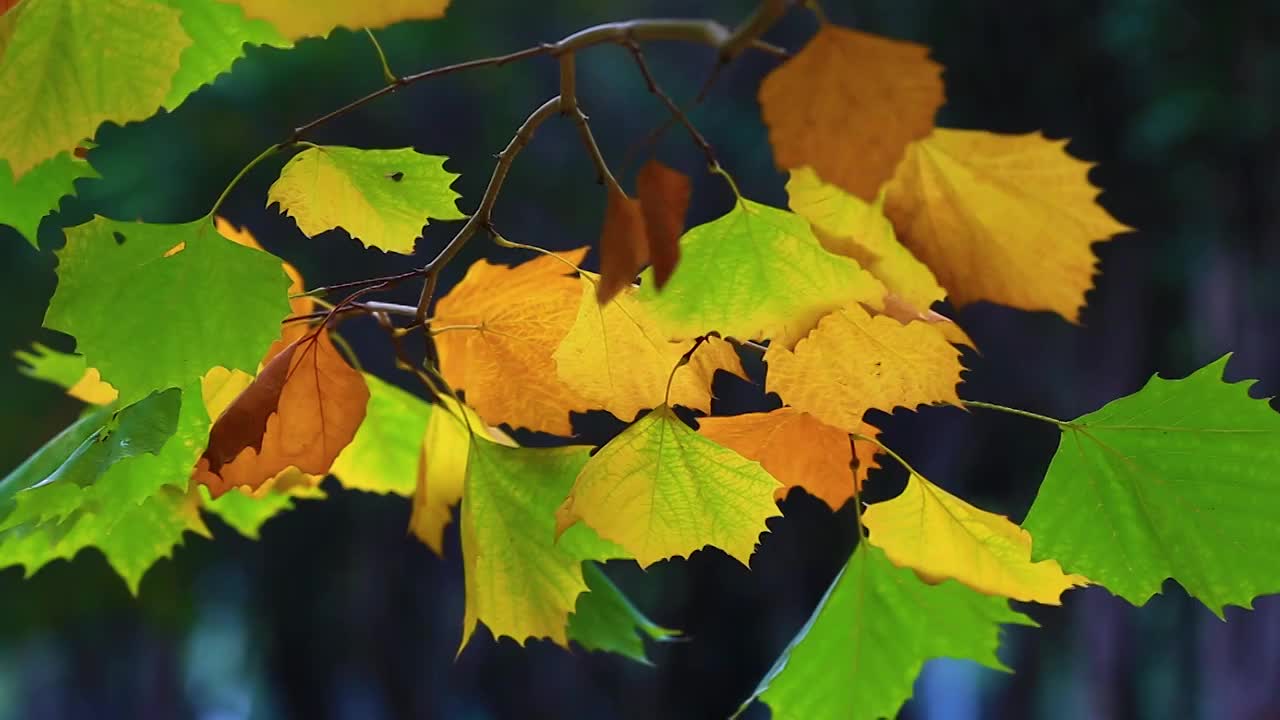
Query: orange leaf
(664, 197)
(497, 332)
(848, 104)
(799, 450)
(300, 411)
(1004, 218)
(623, 246)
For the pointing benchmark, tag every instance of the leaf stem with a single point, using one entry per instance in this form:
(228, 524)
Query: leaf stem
(387, 74)
(240, 176)
(1016, 411)
(888, 451)
(684, 360)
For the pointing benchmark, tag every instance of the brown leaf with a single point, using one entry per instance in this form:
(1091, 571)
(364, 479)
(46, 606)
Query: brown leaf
(623, 245)
(300, 411)
(664, 199)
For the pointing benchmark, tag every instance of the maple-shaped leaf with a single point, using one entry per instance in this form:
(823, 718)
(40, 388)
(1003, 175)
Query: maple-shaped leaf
(862, 649)
(798, 450)
(442, 467)
(66, 370)
(604, 619)
(496, 333)
(383, 456)
(521, 581)
(941, 536)
(853, 362)
(26, 201)
(618, 359)
(1174, 481)
(1004, 218)
(643, 230)
(756, 272)
(383, 198)
(661, 490)
(848, 104)
(70, 65)
(303, 18)
(219, 31)
(300, 411)
(121, 281)
(93, 486)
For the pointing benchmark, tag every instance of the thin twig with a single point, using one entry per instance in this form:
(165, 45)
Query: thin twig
(679, 115)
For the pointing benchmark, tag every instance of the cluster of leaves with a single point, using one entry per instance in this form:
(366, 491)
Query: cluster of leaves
(223, 409)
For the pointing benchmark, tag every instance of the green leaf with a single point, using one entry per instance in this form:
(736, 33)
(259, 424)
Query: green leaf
(135, 510)
(381, 197)
(520, 581)
(247, 513)
(52, 366)
(383, 456)
(1177, 480)
(70, 65)
(156, 306)
(859, 654)
(755, 273)
(661, 490)
(604, 619)
(25, 202)
(219, 31)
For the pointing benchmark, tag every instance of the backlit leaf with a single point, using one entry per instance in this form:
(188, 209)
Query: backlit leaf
(301, 18)
(246, 512)
(497, 331)
(25, 202)
(853, 362)
(1176, 480)
(618, 359)
(522, 582)
(624, 247)
(1004, 218)
(381, 197)
(300, 411)
(56, 87)
(848, 104)
(860, 652)
(604, 619)
(121, 281)
(660, 490)
(66, 370)
(219, 31)
(941, 536)
(755, 273)
(383, 456)
(664, 198)
(798, 450)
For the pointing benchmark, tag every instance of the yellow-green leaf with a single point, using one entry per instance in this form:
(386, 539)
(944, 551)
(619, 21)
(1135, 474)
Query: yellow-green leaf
(302, 18)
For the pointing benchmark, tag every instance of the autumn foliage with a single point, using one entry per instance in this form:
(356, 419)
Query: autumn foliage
(844, 293)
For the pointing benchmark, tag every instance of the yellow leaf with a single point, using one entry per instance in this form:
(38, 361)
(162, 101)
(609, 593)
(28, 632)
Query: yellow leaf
(799, 450)
(302, 18)
(941, 536)
(848, 104)
(1004, 218)
(853, 362)
(91, 389)
(617, 358)
(849, 226)
(442, 468)
(498, 329)
(660, 490)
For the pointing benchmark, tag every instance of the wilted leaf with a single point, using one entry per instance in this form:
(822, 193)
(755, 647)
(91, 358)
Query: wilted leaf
(798, 450)
(941, 536)
(848, 104)
(301, 411)
(301, 18)
(383, 198)
(522, 582)
(663, 193)
(859, 654)
(56, 87)
(660, 490)
(26, 201)
(121, 281)
(624, 247)
(604, 619)
(1005, 218)
(1177, 480)
(853, 362)
(755, 273)
(497, 331)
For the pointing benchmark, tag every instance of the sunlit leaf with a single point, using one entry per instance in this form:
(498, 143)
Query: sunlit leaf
(66, 370)
(383, 455)
(301, 18)
(26, 201)
(219, 31)
(604, 619)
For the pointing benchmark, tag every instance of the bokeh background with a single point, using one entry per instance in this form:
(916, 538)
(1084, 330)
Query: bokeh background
(336, 613)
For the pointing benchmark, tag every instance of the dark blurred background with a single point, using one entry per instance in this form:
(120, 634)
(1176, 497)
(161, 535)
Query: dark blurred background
(336, 613)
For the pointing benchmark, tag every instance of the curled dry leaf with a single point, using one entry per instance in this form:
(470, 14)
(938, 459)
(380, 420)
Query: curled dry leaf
(623, 246)
(300, 411)
(641, 231)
